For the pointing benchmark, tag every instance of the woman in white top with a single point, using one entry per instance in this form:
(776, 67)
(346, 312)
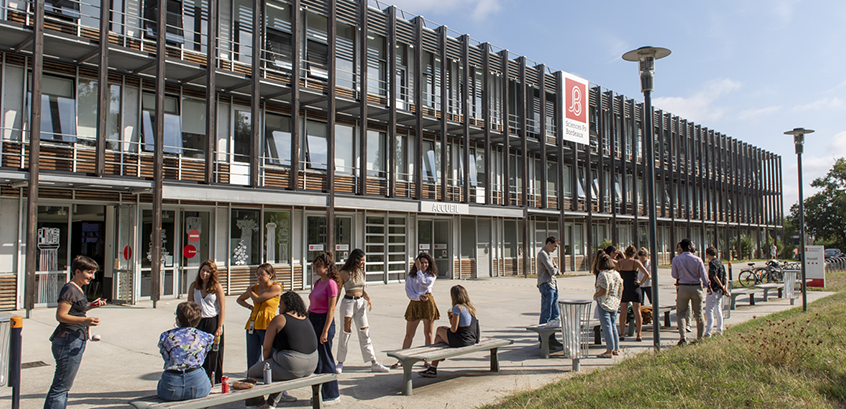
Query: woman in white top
(609, 291)
(208, 293)
(421, 305)
(643, 256)
(354, 307)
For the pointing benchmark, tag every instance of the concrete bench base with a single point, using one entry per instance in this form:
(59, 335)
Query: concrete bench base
(430, 353)
(768, 287)
(235, 395)
(744, 291)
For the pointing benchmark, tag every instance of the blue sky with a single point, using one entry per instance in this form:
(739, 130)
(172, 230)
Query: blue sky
(750, 69)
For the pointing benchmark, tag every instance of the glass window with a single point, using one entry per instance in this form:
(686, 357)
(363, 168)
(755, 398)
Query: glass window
(316, 148)
(402, 172)
(174, 20)
(88, 95)
(344, 149)
(196, 22)
(376, 154)
(245, 237)
(13, 89)
(431, 159)
(376, 65)
(242, 30)
(277, 138)
(242, 136)
(345, 55)
(468, 238)
(172, 126)
(277, 237)
(130, 132)
(194, 127)
(374, 248)
(58, 109)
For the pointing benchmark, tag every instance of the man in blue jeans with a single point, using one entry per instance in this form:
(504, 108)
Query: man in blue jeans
(547, 270)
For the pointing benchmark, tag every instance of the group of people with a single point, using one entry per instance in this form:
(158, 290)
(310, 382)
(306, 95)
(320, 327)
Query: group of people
(281, 333)
(624, 278)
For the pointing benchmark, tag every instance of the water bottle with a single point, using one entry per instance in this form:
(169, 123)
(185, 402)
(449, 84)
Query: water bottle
(216, 345)
(268, 377)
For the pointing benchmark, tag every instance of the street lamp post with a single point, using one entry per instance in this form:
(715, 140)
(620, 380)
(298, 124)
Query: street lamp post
(799, 141)
(646, 56)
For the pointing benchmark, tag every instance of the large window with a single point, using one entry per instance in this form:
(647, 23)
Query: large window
(377, 64)
(245, 237)
(242, 135)
(58, 109)
(174, 20)
(277, 237)
(344, 149)
(277, 138)
(278, 36)
(345, 55)
(242, 30)
(316, 146)
(317, 48)
(87, 97)
(172, 124)
(376, 154)
(431, 162)
(194, 127)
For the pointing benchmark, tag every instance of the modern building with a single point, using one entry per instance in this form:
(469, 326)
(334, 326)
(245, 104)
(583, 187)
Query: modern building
(312, 125)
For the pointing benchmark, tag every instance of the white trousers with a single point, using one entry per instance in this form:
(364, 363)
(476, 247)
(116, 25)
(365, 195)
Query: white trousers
(357, 310)
(714, 309)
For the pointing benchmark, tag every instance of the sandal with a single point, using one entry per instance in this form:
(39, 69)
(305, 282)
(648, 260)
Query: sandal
(396, 365)
(638, 339)
(622, 338)
(615, 352)
(605, 355)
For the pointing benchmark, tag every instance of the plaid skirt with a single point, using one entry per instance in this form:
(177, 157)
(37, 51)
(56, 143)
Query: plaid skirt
(422, 310)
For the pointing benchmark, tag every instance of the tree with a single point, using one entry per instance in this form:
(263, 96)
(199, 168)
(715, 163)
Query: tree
(825, 211)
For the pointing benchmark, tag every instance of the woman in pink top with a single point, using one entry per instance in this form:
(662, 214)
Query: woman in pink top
(321, 313)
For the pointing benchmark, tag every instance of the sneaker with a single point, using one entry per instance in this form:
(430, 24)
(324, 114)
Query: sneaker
(554, 323)
(377, 367)
(430, 372)
(339, 368)
(326, 401)
(286, 397)
(687, 329)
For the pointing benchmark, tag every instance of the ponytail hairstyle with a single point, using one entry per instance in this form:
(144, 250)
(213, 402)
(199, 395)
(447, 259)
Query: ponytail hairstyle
(213, 279)
(432, 270)
(460, 298)
(631, 251)
(643, 252)
(351, 265)
(607, 263)
(326, 260)
(594, 268)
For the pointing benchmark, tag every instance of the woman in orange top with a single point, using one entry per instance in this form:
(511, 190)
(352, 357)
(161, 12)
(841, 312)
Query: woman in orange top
(265, 301)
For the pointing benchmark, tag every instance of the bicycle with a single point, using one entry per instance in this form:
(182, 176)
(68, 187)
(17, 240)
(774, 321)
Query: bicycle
(772, 272)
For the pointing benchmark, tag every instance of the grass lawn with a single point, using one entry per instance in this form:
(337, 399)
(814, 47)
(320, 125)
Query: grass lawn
(785, 360)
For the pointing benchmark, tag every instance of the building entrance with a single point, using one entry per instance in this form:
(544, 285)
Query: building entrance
(433, 237)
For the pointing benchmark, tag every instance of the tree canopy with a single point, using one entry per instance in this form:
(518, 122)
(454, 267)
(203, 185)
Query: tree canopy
(825, 211)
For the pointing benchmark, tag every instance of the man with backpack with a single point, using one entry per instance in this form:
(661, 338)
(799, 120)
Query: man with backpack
(716, 291)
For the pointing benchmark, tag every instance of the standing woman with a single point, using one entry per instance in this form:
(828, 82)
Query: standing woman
(646, 287)
(609, 289)
(207, 292)
(632, 293)
(421, 305)
(321, 313)
(354, 307)
(71, 334)
(265, 301)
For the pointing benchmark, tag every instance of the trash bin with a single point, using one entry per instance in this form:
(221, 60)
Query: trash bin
(5, 337)
(575, 328)
(790, 284)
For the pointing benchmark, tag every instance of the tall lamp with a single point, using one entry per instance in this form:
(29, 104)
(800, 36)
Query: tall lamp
(646, 56)
(799, 141)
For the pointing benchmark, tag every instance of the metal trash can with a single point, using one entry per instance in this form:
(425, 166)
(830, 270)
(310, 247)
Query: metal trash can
(575, 328)
(790, 284)
(5, 338)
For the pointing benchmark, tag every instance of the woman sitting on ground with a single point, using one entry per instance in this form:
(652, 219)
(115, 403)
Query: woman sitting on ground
(290, 346)
(184, 349)
(463, 330)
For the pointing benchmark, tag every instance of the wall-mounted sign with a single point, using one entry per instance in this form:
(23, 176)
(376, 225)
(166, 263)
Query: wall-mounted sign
(815, 265)
(194, 236)
(445, 208)
(440, 246)
(424, 247)
(315, 247)
(127, 253)
(342, 247)
(189, 251)
(575, 107)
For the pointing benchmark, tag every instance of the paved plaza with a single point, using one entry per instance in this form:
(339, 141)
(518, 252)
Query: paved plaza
(126, 364)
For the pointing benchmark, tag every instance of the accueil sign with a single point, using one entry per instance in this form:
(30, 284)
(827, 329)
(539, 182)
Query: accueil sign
(575, 107)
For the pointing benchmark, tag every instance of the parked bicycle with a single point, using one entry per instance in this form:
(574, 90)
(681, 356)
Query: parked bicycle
(772, 272)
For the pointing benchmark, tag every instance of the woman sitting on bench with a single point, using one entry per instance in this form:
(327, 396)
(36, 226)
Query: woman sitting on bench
(184, 349)
(290, 347)
(463, 330)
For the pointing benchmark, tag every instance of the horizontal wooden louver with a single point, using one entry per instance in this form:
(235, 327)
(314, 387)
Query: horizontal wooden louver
(453, 48)
(532, 76)
(344, 49)
(594, 98)
(376, 22)
(317, 6)
(405, 31)
(431, 41)
(513, 69)
(475, 56)
(347, 12)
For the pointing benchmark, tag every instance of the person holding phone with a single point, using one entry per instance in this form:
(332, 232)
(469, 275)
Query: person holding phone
(71, 334)
(207, 292)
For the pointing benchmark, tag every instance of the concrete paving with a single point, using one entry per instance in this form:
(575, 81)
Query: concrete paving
(126, 364)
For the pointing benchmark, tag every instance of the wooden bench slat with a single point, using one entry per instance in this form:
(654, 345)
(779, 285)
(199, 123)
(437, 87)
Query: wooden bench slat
(236, 395)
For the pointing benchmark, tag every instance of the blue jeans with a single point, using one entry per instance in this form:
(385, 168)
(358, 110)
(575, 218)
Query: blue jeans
(254, 344)
(549, 304)
(607, 322)
(326, 362)
(183, 386)
(67, 351)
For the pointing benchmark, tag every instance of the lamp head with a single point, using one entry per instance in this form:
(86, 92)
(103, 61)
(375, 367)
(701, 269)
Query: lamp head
(646, 56)
(799, 138)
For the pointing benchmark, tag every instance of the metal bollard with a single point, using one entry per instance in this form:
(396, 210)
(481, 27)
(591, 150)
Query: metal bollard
(15, 361)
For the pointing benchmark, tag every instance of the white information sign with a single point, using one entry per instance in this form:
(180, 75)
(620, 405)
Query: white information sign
(815, 265)
(575, 109)
(441, 207)
(315, 247)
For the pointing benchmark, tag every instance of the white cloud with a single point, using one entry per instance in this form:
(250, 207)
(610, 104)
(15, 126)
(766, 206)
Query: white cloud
(477, 9)
(752, 113)
(699, 107)
(837, 145)
(825, 103)
(784, 10)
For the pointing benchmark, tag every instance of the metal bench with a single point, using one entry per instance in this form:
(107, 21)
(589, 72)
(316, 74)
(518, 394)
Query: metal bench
(235, 395)
(768, 287)
(741, 292)
(430, 353)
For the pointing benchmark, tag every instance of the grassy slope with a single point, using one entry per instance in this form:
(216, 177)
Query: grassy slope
(786, 360)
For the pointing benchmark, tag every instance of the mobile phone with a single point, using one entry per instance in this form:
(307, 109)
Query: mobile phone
(97, 302)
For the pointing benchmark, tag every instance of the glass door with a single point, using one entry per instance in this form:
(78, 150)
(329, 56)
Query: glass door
(315, 243)
(52, 270)
(433, 238)
(125, 249)
(196, 233)
(168, 278)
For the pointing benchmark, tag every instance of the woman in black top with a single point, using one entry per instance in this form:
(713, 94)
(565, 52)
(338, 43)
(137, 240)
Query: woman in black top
(290, 346)
(70, 336)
